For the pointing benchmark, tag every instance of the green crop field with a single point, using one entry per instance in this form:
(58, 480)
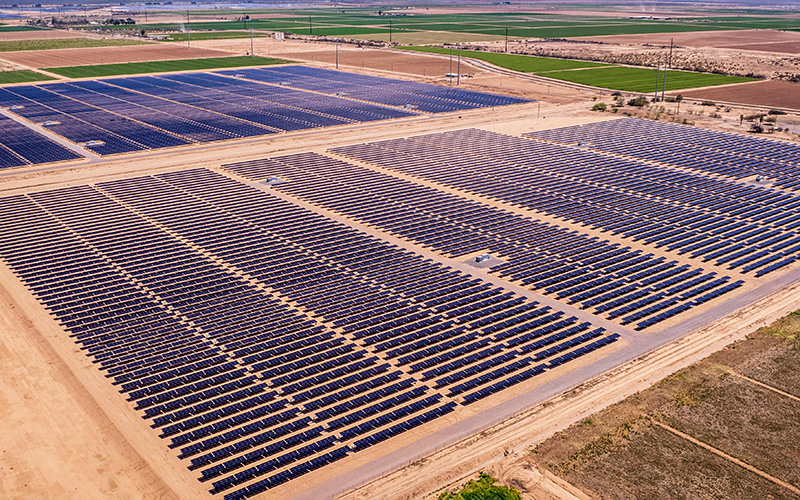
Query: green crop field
(214, 35)
(642, 79)
(525, 64)
(62, 43)
(163, 66)
(22, 75)
(591, 73)
(6, 27)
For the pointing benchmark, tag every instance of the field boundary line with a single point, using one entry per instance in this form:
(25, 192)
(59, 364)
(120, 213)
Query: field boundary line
(765, 386)
(730, 458)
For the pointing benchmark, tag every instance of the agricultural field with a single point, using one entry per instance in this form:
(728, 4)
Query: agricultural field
(642, 79)
(684, 435)
(525, 64)
(64, 43)
(360, 22)
(163, 66)
(23, 75)
(595, 74)
(7, 28)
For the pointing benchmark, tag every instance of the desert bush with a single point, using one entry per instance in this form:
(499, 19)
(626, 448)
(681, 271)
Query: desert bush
(638, 102)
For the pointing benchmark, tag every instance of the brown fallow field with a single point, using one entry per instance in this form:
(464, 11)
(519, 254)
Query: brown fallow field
(770, 93)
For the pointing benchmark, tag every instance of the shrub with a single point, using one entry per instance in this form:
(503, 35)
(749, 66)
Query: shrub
(600, 106)
(638, 102)
(776, 112)
(482, 489)
(707, 103)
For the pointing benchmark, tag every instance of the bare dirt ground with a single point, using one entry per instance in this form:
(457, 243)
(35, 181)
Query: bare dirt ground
(106, 55)
(771, 93)
(713, 39)
(782, 47)
(376, 59)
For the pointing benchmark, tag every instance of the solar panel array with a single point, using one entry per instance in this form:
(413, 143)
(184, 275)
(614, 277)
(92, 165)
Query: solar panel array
(261, 340)
(624, 284)
(119, 115)
(20, 145)
(742, 227)
(421, 96)
(708, 151)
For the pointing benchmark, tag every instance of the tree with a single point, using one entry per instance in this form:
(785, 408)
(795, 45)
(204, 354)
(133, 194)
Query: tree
(600, 106)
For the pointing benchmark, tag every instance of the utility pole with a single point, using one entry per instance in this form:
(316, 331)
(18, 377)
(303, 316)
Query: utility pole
(390, 31)
(251, 43)
(337, 55)
(664, 82)
(458, 78)
(658, 68)
(506, 40)
(310, 28)
(669, 65)
(145, 14)
(188, 31)
(450, 74)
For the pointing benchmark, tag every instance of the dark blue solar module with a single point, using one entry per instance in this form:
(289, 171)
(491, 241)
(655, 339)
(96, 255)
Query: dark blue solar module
(20, 145)
(709, 151)
(119, 115)
(421, 96)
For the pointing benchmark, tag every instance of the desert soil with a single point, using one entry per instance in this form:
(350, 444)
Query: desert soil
(713, 39)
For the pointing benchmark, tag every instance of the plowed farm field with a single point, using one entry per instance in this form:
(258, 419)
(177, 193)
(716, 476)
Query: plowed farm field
(772, 93)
